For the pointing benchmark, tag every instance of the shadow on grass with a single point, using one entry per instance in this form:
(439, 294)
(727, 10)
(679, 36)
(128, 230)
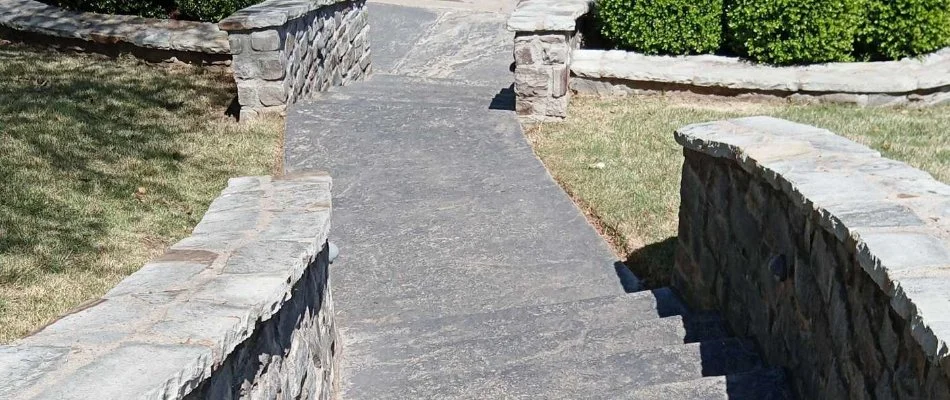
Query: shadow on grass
(76, 140)
(653, 263)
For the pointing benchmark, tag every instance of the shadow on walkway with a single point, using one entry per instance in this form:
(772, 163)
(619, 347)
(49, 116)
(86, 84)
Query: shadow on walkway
(504, 100)
(653, 263)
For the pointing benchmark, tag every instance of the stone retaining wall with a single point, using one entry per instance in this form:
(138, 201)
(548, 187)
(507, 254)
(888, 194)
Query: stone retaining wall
(833, 258)
(240, 309)
(547, 78)
(284, 50)
(919, 82)
(149, 38)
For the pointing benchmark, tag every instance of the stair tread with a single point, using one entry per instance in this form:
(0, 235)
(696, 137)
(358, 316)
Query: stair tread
(600, 312)
(418, 91)
(757, 384)
(552, 374)
(592, 327)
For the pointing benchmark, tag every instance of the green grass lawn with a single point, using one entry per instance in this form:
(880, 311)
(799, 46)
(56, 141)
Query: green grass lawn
(103, 163)
(618, 159)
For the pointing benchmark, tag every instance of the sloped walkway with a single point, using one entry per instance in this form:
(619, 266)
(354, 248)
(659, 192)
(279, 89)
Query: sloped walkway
(465, 271)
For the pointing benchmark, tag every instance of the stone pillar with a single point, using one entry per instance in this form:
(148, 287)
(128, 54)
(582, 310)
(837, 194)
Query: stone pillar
(282, 53)
(545, 36)
(543, 73)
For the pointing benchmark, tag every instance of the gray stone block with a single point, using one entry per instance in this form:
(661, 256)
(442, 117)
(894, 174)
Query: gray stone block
(270, 69)
(238, 43)
(272, 94)
(23, 366)
(170, 370)
(268, 257)
(268, 40)
(248, 94)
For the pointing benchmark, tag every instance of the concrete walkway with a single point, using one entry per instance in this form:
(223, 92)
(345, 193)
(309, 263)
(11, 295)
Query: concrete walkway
(465, 271)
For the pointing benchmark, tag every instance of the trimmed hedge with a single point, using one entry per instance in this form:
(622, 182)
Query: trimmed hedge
(778, 31)
(211, 10)
(145, 8)
(198, 10)
(795, 31)
(898, 28)
(662, 26)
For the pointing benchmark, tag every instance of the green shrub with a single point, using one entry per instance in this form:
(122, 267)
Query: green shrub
(211, 10)
(900, 28)
(662, 26)
(795, 31)
(145, 8)
(198, 10)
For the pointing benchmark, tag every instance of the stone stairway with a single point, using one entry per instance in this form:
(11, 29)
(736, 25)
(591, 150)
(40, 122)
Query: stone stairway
(465, 271)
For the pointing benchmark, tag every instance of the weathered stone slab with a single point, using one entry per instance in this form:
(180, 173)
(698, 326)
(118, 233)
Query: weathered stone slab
(710, 71)
(170, 329)
(547, 15)
(21, 367)
(163, 34)
(170, 370)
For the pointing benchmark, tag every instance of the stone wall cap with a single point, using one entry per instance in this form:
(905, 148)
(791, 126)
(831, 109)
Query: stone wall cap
(896, 217)
(163, 34)
(163, 329)
(930, 72)
(547, 15)
(271, 13)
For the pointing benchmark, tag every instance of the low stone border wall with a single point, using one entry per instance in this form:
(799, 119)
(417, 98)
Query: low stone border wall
(284, 50)
(153, 39)
(281, 51)
(543, 28)
(241, 309)
(833, 258)
(915, 82)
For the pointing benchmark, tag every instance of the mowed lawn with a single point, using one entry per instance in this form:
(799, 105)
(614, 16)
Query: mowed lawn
(104, 163)
(618, 158)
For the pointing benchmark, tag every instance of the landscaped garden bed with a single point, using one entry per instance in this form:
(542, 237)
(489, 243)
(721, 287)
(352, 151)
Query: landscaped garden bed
(776, 31)
(731, 48)
(618, 159)
(104, 162)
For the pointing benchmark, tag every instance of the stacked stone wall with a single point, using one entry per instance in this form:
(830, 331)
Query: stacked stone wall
(241, 309)
(830, 256)
(284, 51)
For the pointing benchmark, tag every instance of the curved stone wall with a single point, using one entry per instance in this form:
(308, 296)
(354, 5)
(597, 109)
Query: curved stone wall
(240, 309)
(549, 67)
(156, 39)
(833, 258)
(917, 82)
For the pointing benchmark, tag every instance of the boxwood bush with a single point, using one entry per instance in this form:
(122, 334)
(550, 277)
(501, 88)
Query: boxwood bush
(795, 31)
(198, 10)
(211, 10)
(778, 31)
(145, 8)
(662, 26)
(898, 28)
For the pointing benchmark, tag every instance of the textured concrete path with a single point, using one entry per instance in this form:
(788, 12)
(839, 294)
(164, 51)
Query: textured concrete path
(465, 271)
(441, 207)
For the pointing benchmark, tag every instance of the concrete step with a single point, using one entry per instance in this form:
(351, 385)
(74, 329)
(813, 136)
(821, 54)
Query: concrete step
(536, 338)
(758, 384)
(655, 317)
(554, 374)
(416, 90)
